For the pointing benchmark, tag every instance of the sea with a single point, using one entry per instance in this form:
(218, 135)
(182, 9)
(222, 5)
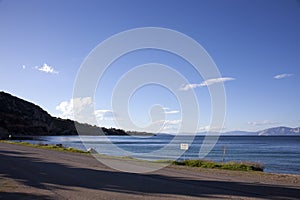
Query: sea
(279, 154)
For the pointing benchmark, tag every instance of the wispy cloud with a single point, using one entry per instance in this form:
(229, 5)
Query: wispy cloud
(216, 80)
(211, 129)
(47, 69)
(262, 123)
(169, 129)
(172, 122)
(208, 82)
(169, 111)
(168, 126)
(172, 112)
(168, 122)
(281, 76)
(104, 114)
(187, 87)
(23, 66)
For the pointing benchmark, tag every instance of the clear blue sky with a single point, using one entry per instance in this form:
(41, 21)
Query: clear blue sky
(254, 42)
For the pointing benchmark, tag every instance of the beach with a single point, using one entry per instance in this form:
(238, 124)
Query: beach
(33, 173)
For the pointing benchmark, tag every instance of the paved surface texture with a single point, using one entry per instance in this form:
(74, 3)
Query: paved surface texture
(32, 173)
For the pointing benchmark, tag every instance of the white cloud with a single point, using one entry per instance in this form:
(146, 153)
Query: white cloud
(172, 112)
(187, 87)
(83, 108)
(169, 129)
(262, 123)
(280, 76)
(203, 128)
(169, 111)
(104, 114)
(216, 80)
(208, 82)
(167, 126)
(168, 122)
(23, 66)
(211, 129)
(47, 69)
(67, 107)
(172, 122)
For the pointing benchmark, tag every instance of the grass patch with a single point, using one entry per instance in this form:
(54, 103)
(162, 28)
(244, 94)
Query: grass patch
(163, 161)
(237, 166)
(58, 147)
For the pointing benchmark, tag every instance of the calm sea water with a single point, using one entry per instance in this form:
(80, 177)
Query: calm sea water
(279, 154)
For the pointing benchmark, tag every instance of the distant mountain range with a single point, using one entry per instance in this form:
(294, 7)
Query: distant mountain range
(275, 131)
(280, 131)
(20, 117)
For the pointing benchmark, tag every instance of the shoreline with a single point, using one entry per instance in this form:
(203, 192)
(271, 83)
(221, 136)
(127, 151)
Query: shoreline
(60, 147)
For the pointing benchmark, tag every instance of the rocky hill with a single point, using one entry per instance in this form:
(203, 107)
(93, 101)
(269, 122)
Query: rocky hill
(20, 117)
(275, 131)
(280, 131)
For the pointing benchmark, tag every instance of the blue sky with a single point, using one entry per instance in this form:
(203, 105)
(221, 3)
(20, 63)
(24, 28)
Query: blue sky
(254, 43)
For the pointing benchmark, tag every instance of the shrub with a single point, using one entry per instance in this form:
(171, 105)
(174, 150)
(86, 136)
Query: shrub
(238, 166)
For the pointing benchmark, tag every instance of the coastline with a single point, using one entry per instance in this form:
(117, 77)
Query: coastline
(257, 150)
(235, 166)
(45, 174)
(243, 166)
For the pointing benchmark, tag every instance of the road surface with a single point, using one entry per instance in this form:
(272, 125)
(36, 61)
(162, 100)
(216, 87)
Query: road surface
(32, 173)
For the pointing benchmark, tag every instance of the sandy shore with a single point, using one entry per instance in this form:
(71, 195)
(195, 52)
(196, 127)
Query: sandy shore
(32, 173)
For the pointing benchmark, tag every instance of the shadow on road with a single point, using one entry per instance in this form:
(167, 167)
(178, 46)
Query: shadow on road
(23, 196)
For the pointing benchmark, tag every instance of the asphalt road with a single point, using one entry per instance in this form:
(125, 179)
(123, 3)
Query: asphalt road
(32, 173)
